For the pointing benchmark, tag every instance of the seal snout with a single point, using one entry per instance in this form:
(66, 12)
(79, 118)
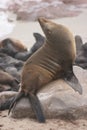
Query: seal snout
(42, 19)
(43, 23)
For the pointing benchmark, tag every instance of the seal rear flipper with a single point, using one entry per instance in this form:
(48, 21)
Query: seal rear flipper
(6, 104)
(72, 80)
(15, 100)
(35, 103)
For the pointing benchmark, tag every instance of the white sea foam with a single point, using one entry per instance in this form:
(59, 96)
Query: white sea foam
(5, 26)
(4, 4)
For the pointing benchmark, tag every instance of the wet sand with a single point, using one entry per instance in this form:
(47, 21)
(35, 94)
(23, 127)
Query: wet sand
(8, 123)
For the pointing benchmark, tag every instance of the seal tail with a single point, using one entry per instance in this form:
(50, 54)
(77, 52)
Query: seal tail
(72, 80)
(36, 106)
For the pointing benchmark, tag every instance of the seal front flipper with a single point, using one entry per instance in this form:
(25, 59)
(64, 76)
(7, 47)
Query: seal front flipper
(72, 80)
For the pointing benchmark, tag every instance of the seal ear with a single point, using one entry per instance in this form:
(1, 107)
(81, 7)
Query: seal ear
(72, 80)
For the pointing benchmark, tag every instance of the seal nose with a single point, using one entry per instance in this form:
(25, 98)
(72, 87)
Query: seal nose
(44, 24)
(42, 20)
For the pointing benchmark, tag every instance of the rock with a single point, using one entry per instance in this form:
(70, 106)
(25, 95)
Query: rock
(58, 100)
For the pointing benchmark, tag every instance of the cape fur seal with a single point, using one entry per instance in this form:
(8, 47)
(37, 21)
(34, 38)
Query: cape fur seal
(11, 65)
(81, 59)
(39, 42)
(8, 80)
(11, 46)
(79, 43)
(52, 61)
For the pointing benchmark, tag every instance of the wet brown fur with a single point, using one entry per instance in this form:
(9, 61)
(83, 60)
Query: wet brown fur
(7, 79)
(17, 44)
(52, 61)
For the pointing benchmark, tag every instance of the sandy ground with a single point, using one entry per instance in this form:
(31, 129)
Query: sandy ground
(8, 123)
(24, 32)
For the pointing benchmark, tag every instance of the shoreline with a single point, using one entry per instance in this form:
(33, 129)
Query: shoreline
(24, 30)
